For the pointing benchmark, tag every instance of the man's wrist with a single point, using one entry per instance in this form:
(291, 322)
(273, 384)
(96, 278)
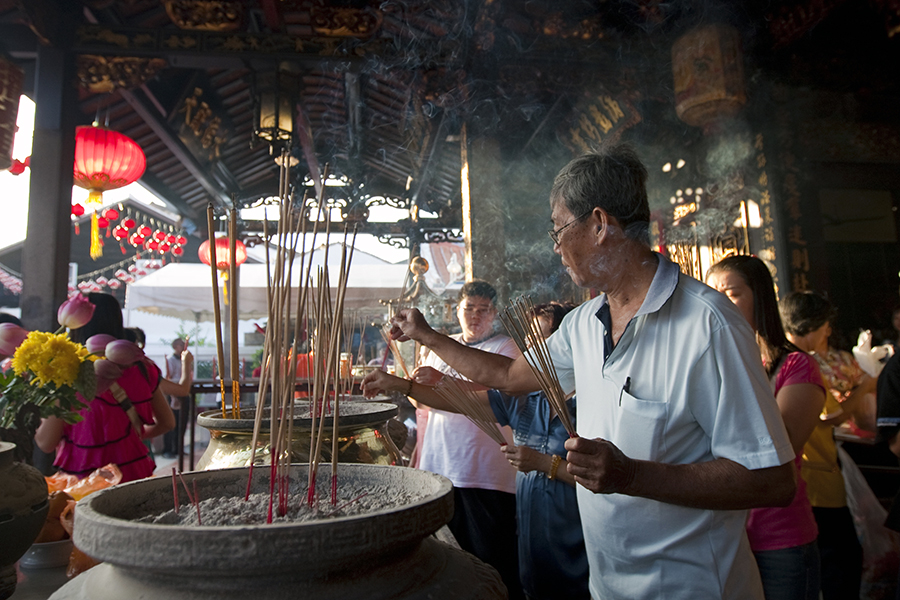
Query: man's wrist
(409, 385)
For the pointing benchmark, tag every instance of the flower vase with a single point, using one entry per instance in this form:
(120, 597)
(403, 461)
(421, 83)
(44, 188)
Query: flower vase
(23, 510)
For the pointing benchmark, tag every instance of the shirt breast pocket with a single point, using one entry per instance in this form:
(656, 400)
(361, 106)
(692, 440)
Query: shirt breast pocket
(640, 425)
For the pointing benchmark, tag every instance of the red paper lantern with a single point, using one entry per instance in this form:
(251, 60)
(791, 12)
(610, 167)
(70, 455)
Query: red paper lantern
(77, 210)
(144, 231)
(104, 160)
(223, 253)
(102, 222)
(177, 251)
(111, 214)
(128, 224)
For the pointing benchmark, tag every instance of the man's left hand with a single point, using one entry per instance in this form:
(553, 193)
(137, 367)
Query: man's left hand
(599, 466)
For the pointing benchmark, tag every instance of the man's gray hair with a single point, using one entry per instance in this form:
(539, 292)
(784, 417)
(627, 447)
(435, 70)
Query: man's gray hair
(615, 180)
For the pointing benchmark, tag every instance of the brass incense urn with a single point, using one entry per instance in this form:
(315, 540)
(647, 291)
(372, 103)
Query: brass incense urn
(362, 436)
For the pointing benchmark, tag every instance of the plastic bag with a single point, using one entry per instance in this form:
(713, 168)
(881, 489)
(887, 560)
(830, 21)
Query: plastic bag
(870, 358)
(881, 546)
(59, 481)
(100, 479)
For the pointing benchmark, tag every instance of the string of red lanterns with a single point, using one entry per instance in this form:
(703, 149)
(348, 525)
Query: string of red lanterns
(127, 231)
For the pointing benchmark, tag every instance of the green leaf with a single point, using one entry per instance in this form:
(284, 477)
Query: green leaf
(86, 382)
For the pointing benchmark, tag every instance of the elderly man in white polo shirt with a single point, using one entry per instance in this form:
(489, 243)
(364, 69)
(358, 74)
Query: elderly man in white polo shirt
(678, 429)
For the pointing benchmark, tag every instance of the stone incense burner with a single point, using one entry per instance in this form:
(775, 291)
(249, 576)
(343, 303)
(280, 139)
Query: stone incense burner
(380, 554)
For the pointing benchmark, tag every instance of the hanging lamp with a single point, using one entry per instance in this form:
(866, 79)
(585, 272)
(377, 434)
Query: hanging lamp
(104, 160)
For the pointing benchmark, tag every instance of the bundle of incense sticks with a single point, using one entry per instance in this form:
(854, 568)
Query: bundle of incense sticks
(461, 396)
(519, 321)
(213, 264)
(281, 349)
(395, 350)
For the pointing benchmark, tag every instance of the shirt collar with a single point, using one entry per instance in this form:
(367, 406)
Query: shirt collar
(663, 285)
(665, 280)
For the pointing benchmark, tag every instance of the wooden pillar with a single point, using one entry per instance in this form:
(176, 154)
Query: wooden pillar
(482, 211)
(45, 255)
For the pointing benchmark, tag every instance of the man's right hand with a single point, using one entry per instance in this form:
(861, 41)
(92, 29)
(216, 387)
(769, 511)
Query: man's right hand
(379, 382)
(409, 324)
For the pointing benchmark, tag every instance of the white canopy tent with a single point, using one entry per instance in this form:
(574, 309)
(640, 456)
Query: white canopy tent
(184, 291)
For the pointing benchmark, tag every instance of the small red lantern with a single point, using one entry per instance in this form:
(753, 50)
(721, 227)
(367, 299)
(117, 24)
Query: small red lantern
(102, 222)
(111, 214)
(128, 224)
(177, 251)
(144, 231)
(105, 160)
(223, 257)
(223, 253)
(77, 210)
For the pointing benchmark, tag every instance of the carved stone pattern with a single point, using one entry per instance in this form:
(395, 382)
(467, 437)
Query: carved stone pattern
(104, 74)
(205, 15)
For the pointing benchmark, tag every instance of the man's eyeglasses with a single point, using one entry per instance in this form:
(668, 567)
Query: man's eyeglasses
(554, 234)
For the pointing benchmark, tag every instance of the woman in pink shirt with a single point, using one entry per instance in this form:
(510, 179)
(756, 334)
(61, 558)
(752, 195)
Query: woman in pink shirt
(783, 539)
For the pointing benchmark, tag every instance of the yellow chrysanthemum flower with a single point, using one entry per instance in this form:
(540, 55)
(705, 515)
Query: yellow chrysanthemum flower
(50, 358)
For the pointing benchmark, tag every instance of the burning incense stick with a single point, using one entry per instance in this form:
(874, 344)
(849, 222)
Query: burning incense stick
(462, 397)
(233, 313)
(220, 351)
(175, 490)
(519, 321)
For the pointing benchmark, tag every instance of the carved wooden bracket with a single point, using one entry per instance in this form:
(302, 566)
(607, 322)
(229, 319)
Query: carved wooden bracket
(102, 74)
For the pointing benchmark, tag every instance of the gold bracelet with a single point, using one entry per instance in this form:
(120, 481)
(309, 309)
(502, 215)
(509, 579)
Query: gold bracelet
(554, 465)
(409, 388)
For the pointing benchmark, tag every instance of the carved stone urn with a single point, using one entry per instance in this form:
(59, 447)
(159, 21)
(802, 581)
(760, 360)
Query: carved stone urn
(386, 551)
(23, 509)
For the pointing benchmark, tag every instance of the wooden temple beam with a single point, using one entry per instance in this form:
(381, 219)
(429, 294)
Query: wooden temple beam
(178, 149)
(178, 45)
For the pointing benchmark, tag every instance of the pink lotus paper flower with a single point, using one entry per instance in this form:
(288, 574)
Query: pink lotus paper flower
(11, 335)
(75, 312)
(123, 352)
(96, 344)
(107, 369)
(107, 372)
